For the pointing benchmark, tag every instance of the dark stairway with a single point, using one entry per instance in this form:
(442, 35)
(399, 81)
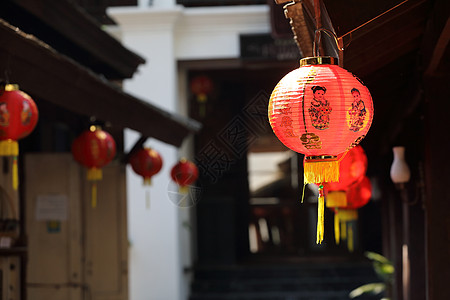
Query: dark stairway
(305, 281)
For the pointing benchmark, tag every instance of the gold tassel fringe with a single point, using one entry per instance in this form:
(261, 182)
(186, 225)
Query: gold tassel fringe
(184, 189)
(9, 148)
(336, 199)
(317, 171)
(94, 174)
(147, 181)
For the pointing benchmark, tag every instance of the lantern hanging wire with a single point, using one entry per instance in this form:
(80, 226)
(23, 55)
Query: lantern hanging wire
(317, 40)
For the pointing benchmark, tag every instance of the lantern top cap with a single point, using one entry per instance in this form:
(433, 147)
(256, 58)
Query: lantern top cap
(11, 87)
(318, 60)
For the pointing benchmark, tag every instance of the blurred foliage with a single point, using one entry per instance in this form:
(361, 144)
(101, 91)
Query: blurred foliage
(385, 271)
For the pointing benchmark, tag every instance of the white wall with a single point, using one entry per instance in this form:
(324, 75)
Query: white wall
(164, 33)
(155, 269)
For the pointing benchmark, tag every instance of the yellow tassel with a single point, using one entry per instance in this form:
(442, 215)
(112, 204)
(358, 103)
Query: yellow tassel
(343, 230)
(15, 174)
(184, 189)
(337, 199)
(317, 171)
(320, 216)
(94, 174)
(350, 244)
(94, 195)
(337, 237)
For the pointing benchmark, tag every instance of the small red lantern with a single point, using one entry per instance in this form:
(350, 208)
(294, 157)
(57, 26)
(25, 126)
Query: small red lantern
(358, 195)
(184, 173)
(146, 162)
(94, 149)
(320, 110)
(201, 86)
(18, 118)
(352, 169)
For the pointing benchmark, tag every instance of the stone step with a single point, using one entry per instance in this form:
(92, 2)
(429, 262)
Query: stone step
(305, 281)
(282, 284)
(309, 295)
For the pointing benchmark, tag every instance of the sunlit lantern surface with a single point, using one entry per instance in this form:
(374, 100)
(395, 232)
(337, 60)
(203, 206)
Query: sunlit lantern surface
(18, 118)
(147, 163)
(94, 149)
(320, 110)
(183, 174)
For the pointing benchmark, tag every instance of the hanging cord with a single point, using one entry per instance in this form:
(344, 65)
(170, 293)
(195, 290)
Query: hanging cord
(318, 36)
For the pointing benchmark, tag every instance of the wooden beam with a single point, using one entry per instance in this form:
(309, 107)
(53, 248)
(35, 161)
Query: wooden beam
(46, 74)
(439, 49)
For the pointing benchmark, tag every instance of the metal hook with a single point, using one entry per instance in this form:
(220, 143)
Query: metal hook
(317, 38)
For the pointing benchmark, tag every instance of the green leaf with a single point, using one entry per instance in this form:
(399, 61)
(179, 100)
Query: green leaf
(370, 288)
(377, 257)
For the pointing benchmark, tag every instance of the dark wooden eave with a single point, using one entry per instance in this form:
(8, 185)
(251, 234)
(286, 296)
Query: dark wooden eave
(376, 33)
(70, 30)
(46, 74)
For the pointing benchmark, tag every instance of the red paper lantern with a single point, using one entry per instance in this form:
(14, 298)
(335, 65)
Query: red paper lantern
(358, 195)
(146, 162)
(94, 149)
(201, 86)
(184, 173)
(352, 169)
(18, 118)
(320, 110)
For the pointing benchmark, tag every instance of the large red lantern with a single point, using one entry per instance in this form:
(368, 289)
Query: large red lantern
(94, 149)
(18, 118)
(320, 110)
(184, 173)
